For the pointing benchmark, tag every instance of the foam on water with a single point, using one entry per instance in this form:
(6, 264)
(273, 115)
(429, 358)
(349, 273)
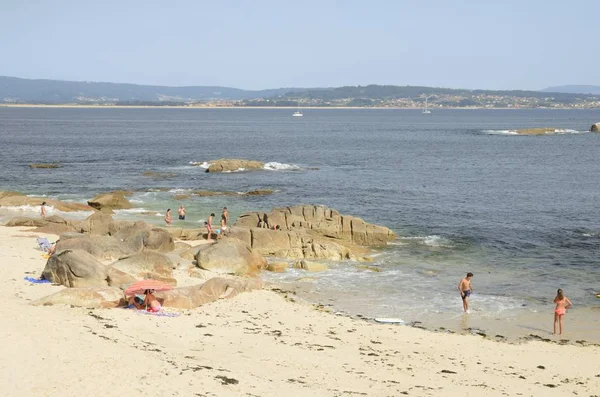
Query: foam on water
(431, 241)
(201, 164)
(557, 131)
(275, 166)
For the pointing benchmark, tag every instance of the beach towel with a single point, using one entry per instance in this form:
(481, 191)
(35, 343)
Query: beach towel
(36, 280)
(161, 313)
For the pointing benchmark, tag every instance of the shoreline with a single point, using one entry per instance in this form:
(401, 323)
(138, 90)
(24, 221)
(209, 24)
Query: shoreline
(258, 343)
(75, 106)
(509, 327)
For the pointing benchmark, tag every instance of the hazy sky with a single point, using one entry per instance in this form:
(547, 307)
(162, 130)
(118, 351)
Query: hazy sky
(495, 44)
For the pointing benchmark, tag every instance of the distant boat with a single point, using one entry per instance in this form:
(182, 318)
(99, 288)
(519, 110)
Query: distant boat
(426, 111)
(298, 113)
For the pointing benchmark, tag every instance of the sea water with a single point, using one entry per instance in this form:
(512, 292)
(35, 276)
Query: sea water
(461, 190)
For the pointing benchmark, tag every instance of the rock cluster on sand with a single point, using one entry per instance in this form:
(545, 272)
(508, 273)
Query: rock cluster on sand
(229, 165)
(595, 127)
(99, 256)
(110, 201)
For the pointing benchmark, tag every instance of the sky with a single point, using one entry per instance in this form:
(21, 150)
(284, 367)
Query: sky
(256, 44)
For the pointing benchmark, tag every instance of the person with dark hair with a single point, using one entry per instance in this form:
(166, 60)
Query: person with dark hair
(465, 289)
(562, 304)
(43, 210)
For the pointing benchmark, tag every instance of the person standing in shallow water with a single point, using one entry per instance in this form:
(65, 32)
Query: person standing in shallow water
(465, 289)
(181, 212)
(224, 221)
(168, 218)
(562, 304)
(43, 210)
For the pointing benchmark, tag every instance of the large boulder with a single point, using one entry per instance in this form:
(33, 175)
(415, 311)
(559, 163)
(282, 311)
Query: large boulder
(310, 266)
(110, 201)
(229, 165)
(55, 228)
(158, 239)
(187, 234)
(230, 256)
(595, 127)
(146, 264)
(216, 288)
(91, 298)
(97, 223)
(296, 244)
(537, 131)
(104, 248)
(119, 279)
(75, 268)
(25, 221)
(322, 221)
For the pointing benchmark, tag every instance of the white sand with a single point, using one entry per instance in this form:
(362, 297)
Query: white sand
(265, 345)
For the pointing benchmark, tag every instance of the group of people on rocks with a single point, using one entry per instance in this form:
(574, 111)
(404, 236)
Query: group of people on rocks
(221, 231)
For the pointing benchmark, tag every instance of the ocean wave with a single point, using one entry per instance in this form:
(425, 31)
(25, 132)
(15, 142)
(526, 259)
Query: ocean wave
(238, 170)
(131, 211)
(557, 131)
(500, 132)
(431, 241)
(275, 166)
(202, 164)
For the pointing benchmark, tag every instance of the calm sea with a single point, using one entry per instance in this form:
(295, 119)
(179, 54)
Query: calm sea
(461, 191)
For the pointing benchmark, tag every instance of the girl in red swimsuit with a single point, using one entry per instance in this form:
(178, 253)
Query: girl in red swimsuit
(562, 304)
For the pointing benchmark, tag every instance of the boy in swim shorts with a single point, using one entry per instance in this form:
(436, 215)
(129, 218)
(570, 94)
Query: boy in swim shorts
(465, 289)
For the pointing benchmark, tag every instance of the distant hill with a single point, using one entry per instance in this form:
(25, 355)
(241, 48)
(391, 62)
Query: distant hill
(392, 91)
(575, 89)
(17, 90)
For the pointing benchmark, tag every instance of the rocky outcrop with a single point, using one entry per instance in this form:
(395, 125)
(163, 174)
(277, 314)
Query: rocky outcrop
(210, 193)
(75, 268)
(91, 298)
(104, 248)
(310, 266)
(277, 267)
(228, 165)
(14, 199)
(187, 234)
(230, 256)
(158, 239)
(25, 221)
(213, 289)
(110, 201)
(322, 221)
(537, 131)
(146, 264)
(595, 127)
(296, 244)
(118, 278)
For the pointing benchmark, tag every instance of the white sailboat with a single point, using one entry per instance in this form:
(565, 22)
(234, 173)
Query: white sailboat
(426, 110)
(298, 113)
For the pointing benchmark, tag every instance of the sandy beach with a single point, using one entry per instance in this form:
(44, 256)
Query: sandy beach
(263, 343)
